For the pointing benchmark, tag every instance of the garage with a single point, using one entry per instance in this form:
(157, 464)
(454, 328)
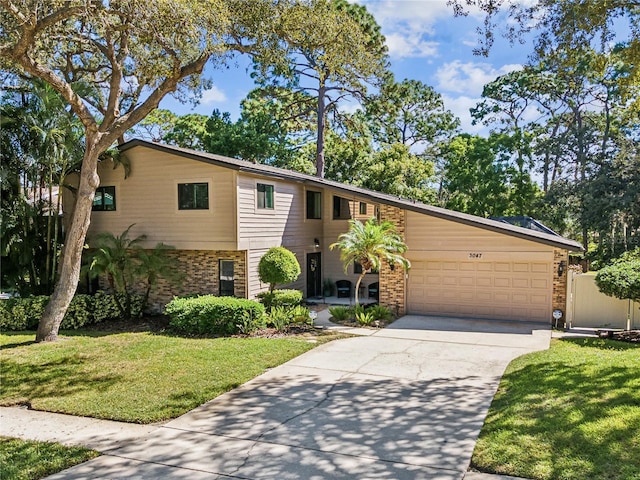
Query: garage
(501, 288)
(465, 266)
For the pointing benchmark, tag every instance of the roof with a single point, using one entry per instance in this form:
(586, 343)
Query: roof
(411, 205)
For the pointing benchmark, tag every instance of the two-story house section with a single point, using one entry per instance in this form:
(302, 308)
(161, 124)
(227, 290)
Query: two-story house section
(222, 214)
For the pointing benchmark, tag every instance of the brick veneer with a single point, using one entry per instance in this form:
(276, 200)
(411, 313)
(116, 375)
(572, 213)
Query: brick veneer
(559, 294)
(392, 282)
(200, 269)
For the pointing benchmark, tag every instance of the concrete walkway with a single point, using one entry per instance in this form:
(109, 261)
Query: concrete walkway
(407, 401)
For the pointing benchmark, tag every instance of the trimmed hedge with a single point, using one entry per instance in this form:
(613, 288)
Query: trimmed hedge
(280, 298)
(208, 314)
(24, 313)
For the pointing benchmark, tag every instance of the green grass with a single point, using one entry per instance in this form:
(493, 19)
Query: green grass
(569, 413)
(27, 460)
(133, 377)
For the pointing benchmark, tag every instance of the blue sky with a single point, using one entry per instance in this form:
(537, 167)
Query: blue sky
(426, 42)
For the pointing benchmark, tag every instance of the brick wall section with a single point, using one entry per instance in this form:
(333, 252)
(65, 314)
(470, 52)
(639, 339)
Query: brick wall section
(201, 276)
(559, 295)
(392, 282)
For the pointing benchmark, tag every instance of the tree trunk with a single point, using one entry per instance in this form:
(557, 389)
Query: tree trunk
(321, 124)
(74, 243)
(358, 286)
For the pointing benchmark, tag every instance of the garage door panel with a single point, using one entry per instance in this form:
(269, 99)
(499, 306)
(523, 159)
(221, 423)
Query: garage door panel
(484, 289)
(520, 283)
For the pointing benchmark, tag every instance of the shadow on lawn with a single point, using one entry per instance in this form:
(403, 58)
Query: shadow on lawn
(580, 418)
(53, 379)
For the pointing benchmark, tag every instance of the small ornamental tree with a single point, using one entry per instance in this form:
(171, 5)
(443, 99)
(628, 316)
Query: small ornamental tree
(278, 265)
(621, 279)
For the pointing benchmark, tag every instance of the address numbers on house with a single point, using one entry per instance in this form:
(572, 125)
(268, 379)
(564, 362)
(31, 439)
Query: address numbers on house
(475, 255)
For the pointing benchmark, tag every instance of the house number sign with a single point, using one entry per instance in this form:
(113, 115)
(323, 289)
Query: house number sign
(475, 255)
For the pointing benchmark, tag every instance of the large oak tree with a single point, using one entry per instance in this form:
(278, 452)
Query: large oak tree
(112, 62)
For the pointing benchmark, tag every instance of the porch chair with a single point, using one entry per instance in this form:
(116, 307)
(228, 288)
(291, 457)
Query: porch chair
(343, 289)
(373, 290)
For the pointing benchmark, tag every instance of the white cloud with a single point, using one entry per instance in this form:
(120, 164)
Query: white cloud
(213, 95)
(469, 77)
(404, 46)
(460, 107)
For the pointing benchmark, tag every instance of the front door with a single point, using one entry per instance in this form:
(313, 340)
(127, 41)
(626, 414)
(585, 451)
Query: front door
(314, 275)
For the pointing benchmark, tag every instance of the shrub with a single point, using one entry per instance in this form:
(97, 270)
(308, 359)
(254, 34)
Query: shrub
(340, 313)
(208, 314)
(278, 265)
(364, 318)
(250, 323)
(301, 315)
(280, 318)
(380, 312)
(280, 298)
(24, 313)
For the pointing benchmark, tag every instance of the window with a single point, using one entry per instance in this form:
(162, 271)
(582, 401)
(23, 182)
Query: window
(227, 278)
(105, 199)
(193, 196)
(314, 205)
(363, 208)
(341, 209)
(265, 196)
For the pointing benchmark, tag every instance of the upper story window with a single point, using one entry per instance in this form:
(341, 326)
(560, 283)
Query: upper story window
(265, 196)
(105, 199)
(314, 205)
(341, 210)
(193, 196)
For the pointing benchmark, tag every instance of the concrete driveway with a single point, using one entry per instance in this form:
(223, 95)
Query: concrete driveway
(404, 402)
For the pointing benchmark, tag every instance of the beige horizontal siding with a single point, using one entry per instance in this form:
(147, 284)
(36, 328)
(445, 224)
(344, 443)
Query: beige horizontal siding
(426, 233)
(148, 198)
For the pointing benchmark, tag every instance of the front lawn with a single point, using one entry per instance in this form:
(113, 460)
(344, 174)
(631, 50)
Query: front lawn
(569, 413)
(27, 460)
(136, 377)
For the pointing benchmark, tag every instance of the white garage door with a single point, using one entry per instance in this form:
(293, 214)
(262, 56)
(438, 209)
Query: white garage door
(512, 290)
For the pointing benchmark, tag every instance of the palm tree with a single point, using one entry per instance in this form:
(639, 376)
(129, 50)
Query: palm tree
(154, 265)
(115, 258)
(369, 243)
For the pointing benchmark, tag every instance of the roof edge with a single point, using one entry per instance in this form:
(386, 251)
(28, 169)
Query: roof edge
(415, 206)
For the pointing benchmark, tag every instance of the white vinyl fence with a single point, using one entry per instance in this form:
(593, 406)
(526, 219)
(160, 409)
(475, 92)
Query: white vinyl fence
(587, 307)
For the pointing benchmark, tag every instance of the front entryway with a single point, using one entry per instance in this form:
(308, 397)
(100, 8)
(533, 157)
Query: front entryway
(314, 275)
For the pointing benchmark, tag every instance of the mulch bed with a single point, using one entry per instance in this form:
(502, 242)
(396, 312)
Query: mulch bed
(631, 336)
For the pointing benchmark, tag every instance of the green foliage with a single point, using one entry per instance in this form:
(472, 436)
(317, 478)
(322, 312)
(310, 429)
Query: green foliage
(365, 318)
(278, 265)
(301, 315)
(24, 313)
(380, 312)
(277, 298)
(280, 318)
(395, 170)
(208, 314)
(341, 313)
(124, 262)
(621, 279)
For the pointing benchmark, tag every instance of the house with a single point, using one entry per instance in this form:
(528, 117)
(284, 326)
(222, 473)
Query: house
(223, 214)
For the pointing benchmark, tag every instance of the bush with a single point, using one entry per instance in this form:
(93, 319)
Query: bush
(280, 298)
(301, 315)
(280, 318)
(380, 312)
(208, 314)
(278, 265)
(364, 318)
(24, 313)
(341, 313)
